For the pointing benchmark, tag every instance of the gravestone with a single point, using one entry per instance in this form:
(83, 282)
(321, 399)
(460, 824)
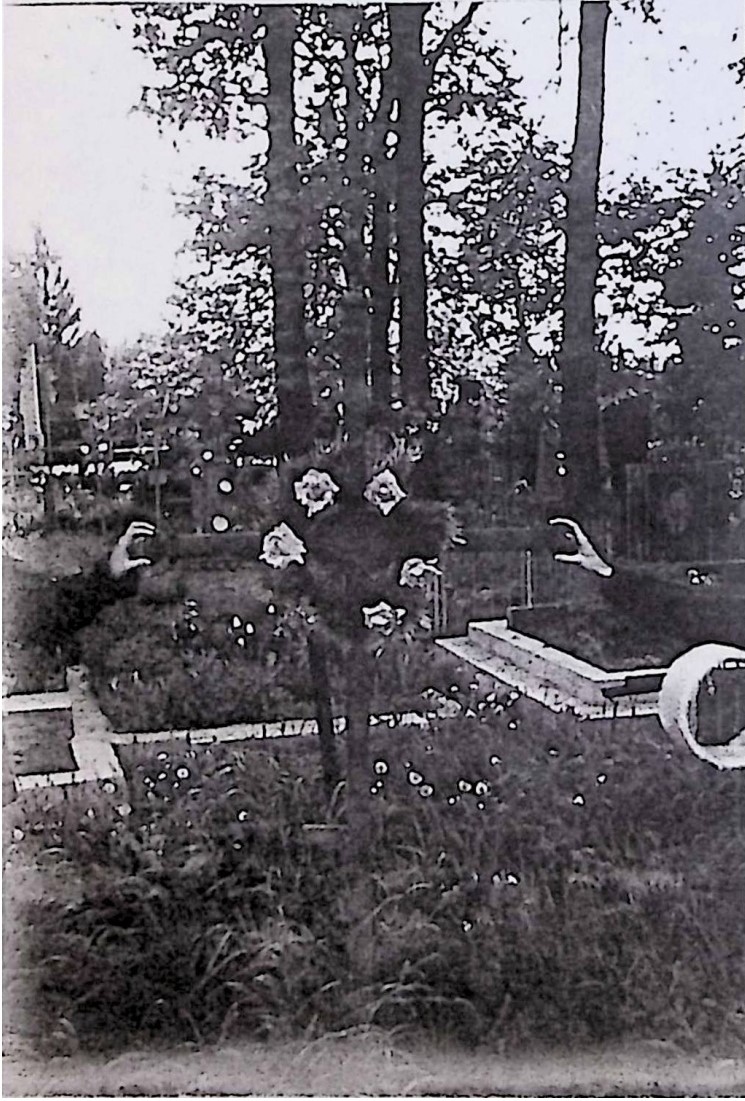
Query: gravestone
(683, 564)
(681, 511)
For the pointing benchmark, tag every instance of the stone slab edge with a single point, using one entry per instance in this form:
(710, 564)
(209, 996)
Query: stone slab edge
(546, 681)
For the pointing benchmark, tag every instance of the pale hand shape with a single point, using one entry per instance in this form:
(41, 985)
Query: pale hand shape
(383, 617)
(586, 555)
(384, 492)
(415, 572)
(315, 490)
(119, 560)
(281, 547)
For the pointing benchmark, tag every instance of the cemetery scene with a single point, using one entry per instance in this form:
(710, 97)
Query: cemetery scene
(374, 549)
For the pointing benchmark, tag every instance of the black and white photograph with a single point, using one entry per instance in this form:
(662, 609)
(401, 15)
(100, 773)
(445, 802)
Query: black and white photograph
(373, 466)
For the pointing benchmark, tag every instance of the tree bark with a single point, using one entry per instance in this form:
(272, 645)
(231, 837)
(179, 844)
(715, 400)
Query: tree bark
(295, 422)
(579, 355)
(382, 293)
(355, 309)
(411, 75)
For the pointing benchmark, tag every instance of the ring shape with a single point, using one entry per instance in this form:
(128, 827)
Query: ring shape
(678, 707)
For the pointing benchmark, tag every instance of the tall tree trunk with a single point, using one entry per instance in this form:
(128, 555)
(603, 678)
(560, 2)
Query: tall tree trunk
(579, 406)
(411, 76)
(295, 423)
(355, 306)
(382, 293)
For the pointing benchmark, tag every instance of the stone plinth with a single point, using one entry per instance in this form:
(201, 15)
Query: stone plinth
(553, 677)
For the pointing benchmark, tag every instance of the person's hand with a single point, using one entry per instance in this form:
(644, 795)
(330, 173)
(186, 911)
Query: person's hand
(585, 555)
(119, 561)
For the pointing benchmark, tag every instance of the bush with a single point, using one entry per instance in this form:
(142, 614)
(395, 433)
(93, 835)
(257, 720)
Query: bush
(528, 880)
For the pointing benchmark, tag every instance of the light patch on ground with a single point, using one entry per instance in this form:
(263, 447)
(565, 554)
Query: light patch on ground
(373, 1066)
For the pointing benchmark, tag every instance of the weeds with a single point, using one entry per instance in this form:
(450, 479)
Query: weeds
(195, 906)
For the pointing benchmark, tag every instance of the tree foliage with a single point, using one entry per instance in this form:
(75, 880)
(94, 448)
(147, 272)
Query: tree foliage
(395, 208)
(705, 284)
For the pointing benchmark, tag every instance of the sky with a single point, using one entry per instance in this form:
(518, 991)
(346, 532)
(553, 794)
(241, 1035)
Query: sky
(101, 181)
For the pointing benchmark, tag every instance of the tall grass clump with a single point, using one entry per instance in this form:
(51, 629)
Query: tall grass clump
(534, 880)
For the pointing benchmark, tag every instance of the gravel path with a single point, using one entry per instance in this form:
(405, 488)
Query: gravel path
(372, 1067)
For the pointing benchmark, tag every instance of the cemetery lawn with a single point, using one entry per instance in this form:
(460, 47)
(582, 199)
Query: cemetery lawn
(224, 653)
(533, 882)
(204, 645)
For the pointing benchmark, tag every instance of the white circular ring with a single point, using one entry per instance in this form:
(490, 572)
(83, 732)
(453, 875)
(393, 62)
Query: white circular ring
(677, 704)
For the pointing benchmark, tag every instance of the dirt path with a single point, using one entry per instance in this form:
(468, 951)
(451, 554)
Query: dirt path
(370, 1066)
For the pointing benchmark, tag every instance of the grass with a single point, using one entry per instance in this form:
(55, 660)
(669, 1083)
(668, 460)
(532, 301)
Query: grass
(211, 646)
(224, 653)
(527, 880)
(39, 741)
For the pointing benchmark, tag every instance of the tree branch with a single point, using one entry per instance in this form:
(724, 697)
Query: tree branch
(448, 39)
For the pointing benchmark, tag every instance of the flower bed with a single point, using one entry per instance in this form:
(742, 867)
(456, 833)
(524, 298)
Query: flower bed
(593, 634)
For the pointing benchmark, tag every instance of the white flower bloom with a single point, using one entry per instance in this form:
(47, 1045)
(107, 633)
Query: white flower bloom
(444, 707)
(315, 490)
(281, 546)
(415, 571)
(383, 617)
(384, 492)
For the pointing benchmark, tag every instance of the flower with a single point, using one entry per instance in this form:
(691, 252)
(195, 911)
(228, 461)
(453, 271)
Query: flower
(281, 546)
(383, 617)
(444, 707)
(315, 490)
(384, 492)
(415, 570)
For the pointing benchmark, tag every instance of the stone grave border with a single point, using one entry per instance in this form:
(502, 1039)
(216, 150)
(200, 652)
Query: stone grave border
(550, 676)
(90, 745)
(94, 743)
(542, 673)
